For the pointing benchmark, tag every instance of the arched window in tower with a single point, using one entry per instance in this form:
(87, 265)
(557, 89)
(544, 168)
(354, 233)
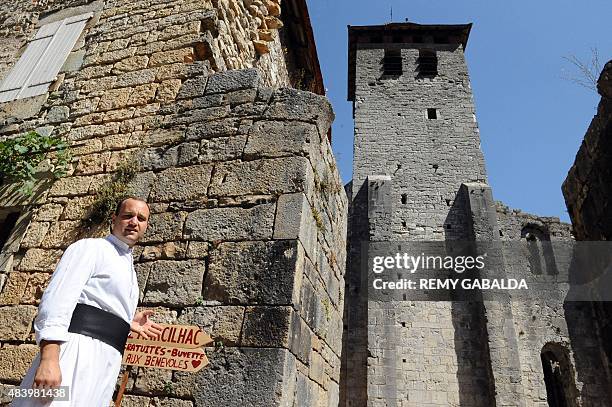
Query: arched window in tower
(539, 249)
(558, 376)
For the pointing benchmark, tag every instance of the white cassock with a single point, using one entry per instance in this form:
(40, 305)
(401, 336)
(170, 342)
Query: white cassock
(97, 272)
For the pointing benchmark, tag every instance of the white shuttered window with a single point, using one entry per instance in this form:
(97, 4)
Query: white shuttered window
(43, 58)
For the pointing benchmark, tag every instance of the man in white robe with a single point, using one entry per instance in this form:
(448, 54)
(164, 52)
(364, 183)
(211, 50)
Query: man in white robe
(98, 273)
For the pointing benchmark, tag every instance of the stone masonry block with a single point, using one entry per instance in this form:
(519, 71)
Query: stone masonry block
(234, 378)
(16, 322)
(233, 80)
(300, 342)
(168, 90)
(222, 323)
(14, 288)
(165, 227)
(142, 184)
(193, 88)
(131, 64)
(61, 234)
(294, 220)
(49, 212)
(135, 401)
(15, 361)
(156, 158)
(292, 104)
(78, 208)
(175, 283)
(114, 99)
(40, 260)
(143, 94)
(135, 78)
(35, 234)
(152, 381)
(260, 177)
(280, 138)
(217, 128)
(267, 327)
(71, 186)
(252, 272)
(222, 148)
(37, 283)
(230, 223)
(181, 184)
(171, 57)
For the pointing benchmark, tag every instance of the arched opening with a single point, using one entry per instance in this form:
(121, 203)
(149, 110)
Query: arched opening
(539, 250)
(558, 376)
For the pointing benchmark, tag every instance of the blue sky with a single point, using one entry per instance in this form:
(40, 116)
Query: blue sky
(531, 119)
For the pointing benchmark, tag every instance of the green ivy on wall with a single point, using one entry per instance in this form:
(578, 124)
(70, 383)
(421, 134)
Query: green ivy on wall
(20, 157)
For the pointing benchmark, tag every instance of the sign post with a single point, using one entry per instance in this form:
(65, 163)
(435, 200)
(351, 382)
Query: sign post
(179, 347)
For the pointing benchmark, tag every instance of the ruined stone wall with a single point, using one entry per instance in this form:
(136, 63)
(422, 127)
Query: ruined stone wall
(587, 188)
(587, 195)
(247, 233)
(545, 318)
(417, 353)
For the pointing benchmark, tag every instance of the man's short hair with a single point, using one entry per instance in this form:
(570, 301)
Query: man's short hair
(121, 200)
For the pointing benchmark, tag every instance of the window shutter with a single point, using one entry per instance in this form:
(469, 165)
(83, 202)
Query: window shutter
(43, 58)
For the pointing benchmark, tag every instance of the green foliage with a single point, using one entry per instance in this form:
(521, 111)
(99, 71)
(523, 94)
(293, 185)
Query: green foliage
(20, 157)
(318, 219)
(327, 308)
(169, 387)
(110, 193)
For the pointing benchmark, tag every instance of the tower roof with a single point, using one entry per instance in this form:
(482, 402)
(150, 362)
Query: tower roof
(400, 33)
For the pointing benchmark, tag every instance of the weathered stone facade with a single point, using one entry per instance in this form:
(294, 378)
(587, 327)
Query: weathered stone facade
(419, 175)
(588, 195)
(587, 188)
(248, 225)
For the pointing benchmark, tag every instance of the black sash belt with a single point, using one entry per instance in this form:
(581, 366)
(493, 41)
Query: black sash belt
(96, 323)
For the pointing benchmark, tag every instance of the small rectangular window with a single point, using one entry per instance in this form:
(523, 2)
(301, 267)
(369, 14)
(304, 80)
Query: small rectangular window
(432, 114)
(43, 58)
(427, 63)
(392, 62)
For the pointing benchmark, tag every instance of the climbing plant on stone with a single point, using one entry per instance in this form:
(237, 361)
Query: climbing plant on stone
(21, 156)
(110, 193)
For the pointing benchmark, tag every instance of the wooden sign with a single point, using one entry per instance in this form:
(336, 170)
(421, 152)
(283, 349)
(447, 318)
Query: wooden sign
(178, 336)
(164, 357)
(179, 347)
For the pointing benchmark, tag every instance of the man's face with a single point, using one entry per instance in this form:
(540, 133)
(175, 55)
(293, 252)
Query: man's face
(131, 223)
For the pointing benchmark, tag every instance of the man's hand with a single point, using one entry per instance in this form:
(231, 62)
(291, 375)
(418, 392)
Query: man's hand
(48, 374)
(143, 326)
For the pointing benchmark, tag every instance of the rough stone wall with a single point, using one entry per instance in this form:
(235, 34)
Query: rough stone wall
(588, 186)
(229, 34)
(551, 319)
(417, 353)
(247, 233)
(587, 195)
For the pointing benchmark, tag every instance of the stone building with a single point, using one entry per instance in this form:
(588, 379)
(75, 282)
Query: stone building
(419, 175)
(212, 110)
(588, 195)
